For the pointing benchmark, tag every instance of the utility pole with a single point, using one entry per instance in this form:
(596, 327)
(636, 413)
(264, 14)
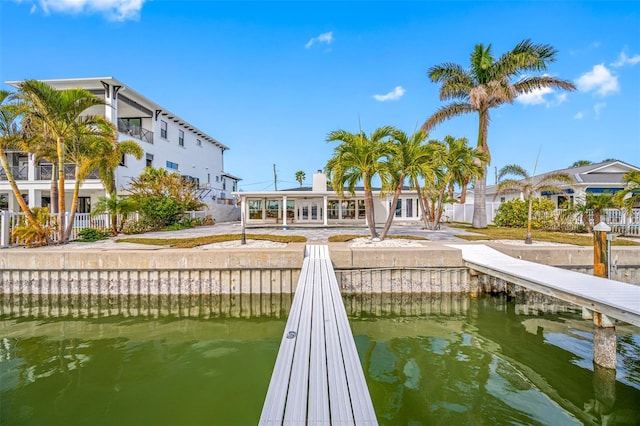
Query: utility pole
(275, 179)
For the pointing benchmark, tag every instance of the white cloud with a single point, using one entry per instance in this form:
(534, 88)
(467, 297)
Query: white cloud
(394, 95)
(597, 108)
(578, 116)
(114, 10)
(623, 60)
(322, 38)
(539, 96)
(535, 97)
(599, 79)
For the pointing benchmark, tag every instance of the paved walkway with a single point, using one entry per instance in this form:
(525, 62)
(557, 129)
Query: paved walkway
(313, 234)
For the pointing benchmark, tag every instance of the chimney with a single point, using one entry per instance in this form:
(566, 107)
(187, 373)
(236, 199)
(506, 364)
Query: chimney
(319, 182)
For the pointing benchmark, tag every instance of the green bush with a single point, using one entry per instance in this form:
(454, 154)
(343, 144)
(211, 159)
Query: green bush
(514, 214)
(161, 211)
(139, 227)
(88, 235)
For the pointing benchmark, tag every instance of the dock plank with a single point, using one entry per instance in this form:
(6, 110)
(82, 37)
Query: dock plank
(613, 298)
(317, 378)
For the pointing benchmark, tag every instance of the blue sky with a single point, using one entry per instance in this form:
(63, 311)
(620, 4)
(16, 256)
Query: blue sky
(271, 79)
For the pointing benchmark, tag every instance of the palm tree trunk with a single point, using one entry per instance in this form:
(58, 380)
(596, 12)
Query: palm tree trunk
(368, 205)
(479, 204)
(61, 200)
(528, 239)
(74, 204)
(423, 208)
(463, 191)
(53, 189)
(392, 210)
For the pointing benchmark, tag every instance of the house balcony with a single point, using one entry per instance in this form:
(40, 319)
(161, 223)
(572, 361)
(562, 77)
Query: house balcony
(18, 172)
(135, 131)
(45, 172)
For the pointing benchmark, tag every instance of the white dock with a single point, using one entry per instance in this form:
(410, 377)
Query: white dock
(614, 299)
(317, 378)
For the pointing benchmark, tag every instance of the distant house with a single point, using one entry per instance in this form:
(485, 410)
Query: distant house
(320, 205)
(168, 142)
(594, 178)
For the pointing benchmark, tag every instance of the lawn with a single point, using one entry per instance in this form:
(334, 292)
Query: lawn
(210, 239)
(495, 233)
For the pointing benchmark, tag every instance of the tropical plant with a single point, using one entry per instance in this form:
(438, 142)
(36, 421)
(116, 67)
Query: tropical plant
(162, 197)
(529, 186)
(118, 210)
(514, 213)
(11, 138)
(110, 158)
(61, 114)
(488, 84)
(359, 158)
(300, 176)
(38, 234)
(580, 163)
(598, 203)
(409, 158)
(630, 195)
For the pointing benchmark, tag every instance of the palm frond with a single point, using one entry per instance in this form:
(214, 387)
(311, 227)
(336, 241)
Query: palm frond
(446, 112)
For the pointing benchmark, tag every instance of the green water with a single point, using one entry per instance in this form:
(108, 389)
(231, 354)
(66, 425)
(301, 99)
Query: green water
(428, 361)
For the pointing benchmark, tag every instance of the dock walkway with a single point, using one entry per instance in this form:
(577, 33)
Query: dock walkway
(612, 298)
(317, 378)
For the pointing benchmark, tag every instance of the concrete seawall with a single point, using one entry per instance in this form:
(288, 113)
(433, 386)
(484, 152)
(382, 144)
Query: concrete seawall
(434, 268)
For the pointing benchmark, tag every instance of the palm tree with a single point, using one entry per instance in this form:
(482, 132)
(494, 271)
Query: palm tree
(462, 165)
(359, 158)
(488, 84)
(11, 138)
(599, 202)
(60, 115)
(630, 195)
(300, 176)
(115, 207)
(409, 158)
(529, 186)
(580, 163)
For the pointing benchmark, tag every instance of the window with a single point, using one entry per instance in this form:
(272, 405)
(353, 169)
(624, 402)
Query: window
(4, 202)
(255, 209)
(84, 205)
(333, 209)
(217, 178)
(180, 137)
(198, 142)
(224, 183)
(408, 203)
(399, 208)
(172, 166)
(361, 210)
(123, 161)
(163, 129)
(149, 160)
(208, 177)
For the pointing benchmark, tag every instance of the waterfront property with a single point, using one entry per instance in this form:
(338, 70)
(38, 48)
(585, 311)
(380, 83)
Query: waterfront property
(168, 141)
(320, 205)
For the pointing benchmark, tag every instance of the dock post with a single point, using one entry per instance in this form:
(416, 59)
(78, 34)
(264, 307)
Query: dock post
(600, 252)
(604, 333)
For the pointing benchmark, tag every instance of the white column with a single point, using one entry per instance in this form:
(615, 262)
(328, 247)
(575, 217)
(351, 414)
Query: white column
(4, 228)
(284, 210)
(243, 211)
(31, 168)
(32, 198)
(324, 210)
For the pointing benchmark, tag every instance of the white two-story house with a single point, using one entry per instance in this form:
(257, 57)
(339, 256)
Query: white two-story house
(168, 142)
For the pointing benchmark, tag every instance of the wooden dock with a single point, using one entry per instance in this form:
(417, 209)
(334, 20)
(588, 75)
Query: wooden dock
(614, 299)
(317, 378)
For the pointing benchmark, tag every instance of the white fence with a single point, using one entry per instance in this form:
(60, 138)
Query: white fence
(9, 220)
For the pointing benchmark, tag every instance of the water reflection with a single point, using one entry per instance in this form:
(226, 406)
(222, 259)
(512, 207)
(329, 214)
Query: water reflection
(443, 359)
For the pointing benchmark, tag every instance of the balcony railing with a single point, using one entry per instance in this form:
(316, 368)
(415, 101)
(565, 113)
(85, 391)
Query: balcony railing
(45, 171)
(134, 130)
(18, 172)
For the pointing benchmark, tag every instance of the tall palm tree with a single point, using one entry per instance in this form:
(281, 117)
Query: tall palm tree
(300, 175)
(630, 195)
(12, 138)
(58, 112)
(359, 158)
(530, 186)
(488, 84)
(409, 158)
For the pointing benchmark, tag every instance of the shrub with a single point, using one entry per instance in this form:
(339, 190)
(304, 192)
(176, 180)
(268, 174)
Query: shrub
(33, 236)
(514, 214)
(88, 235)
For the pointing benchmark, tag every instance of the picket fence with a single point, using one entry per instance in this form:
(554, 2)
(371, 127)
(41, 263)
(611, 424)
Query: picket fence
(9, 220)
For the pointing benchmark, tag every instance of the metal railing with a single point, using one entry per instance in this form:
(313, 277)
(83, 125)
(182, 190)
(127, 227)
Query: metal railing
(45, 172)
(18, 172)
(135, 131)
